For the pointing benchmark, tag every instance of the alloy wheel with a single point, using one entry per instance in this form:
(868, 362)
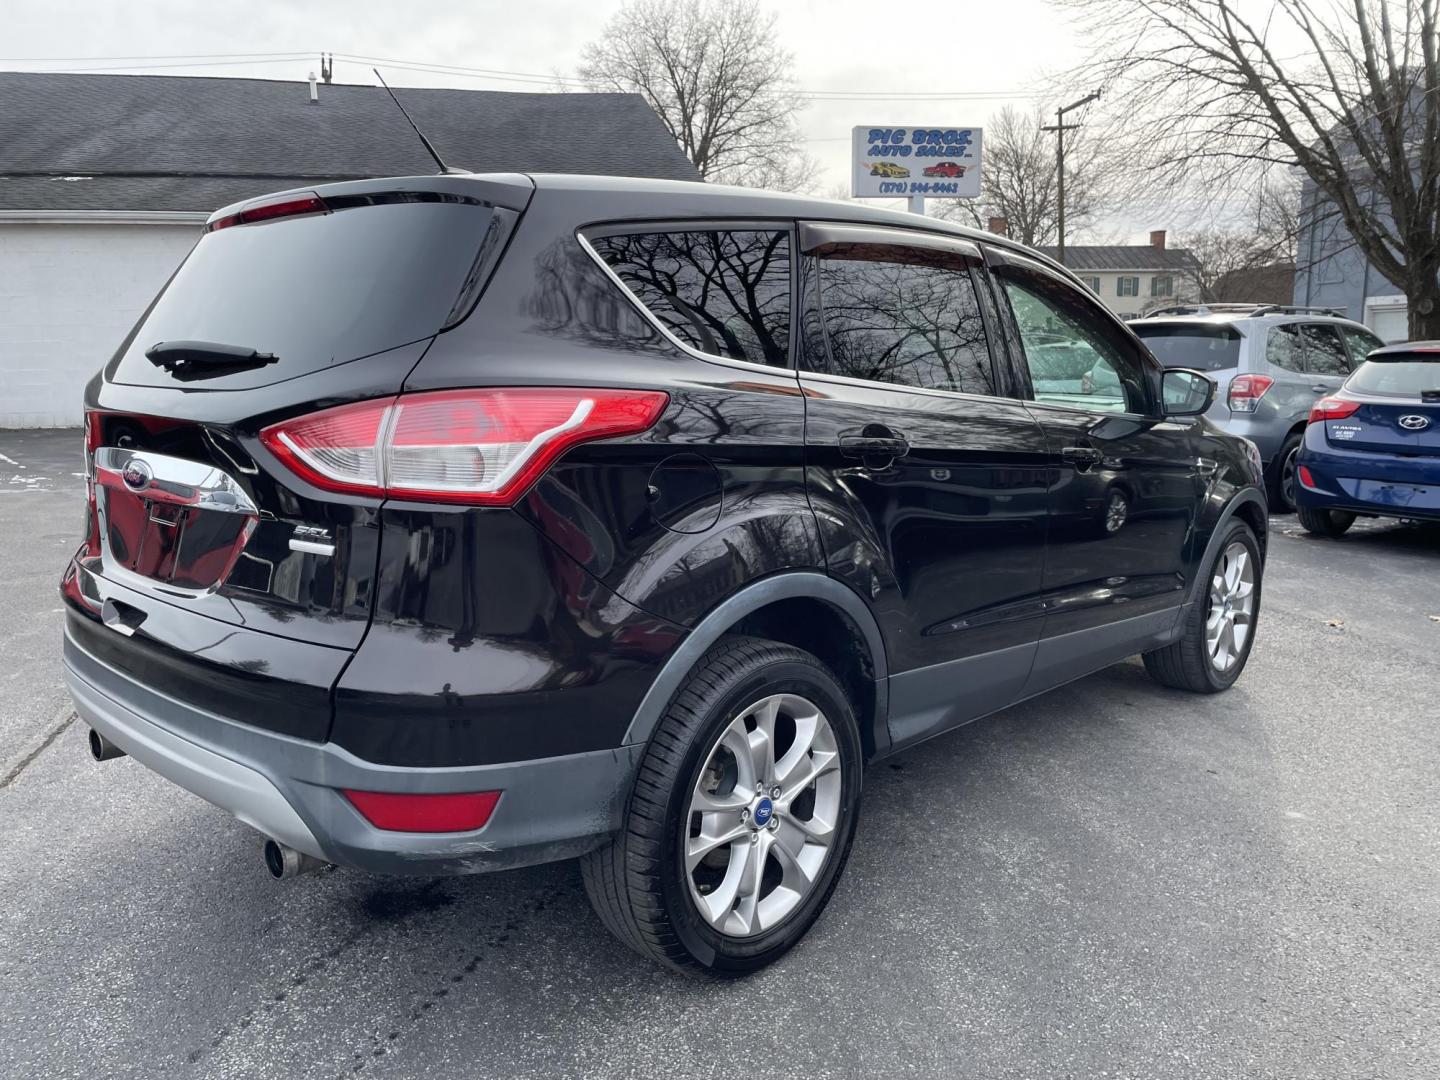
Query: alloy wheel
(1117, 509)
(1287, 477)
(762, 816)
(1232, 607)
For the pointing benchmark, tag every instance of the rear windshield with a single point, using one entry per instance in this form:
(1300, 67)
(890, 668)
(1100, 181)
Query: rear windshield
(319, 290)
(1406, 375)
(1203, 348)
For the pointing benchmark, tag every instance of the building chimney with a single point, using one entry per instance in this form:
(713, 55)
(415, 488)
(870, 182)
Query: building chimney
(999, 226)
(1157, 239)
(315, 91)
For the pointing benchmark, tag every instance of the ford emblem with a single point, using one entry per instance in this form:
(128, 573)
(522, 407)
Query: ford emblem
(136, 474)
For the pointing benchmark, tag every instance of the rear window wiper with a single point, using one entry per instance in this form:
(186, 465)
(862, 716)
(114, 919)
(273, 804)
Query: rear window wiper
(187, 360)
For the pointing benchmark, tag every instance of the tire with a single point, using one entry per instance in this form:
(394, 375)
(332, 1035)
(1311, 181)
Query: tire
(640, 883)
(1331, 523)
(1191, 663)
(1282, 483)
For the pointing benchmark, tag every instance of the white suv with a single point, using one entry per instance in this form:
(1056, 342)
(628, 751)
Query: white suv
(1270, 363)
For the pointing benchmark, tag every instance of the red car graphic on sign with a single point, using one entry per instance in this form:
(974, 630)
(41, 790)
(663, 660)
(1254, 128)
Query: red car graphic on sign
(945, 168)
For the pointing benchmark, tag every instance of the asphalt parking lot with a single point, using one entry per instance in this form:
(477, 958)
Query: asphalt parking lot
(1113, 880)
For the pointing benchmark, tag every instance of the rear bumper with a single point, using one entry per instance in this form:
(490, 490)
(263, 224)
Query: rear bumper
(289, 789)
(1365, 483)
(1266, 432)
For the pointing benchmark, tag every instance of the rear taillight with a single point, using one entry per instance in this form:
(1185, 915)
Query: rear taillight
(270, 209)
(466, 446)
(1246, 392)
(92, 513)
(1332, 408)
(399, 812)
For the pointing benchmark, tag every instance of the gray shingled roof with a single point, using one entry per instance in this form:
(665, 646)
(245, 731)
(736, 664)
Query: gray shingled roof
(1123, 257)
(148, 142)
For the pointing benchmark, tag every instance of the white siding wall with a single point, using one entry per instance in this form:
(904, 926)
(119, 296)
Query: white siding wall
(69, 293)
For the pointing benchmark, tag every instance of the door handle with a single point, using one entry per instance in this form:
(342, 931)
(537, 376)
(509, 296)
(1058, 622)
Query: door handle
(873, 446)
(1082, 457)
(1320, 389)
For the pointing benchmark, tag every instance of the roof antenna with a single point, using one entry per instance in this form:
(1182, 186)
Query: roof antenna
(428, 147)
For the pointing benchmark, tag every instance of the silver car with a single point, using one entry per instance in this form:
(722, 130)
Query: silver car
(1270, 363)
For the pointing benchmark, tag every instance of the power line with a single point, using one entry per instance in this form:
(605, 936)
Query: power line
(494, 74)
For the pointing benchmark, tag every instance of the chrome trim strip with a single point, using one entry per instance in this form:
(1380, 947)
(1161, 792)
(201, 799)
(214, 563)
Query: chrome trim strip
(311, 547)
(175, 480)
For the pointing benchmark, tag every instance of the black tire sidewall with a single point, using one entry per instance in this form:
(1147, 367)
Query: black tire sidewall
(1277, 488)
(712, 950)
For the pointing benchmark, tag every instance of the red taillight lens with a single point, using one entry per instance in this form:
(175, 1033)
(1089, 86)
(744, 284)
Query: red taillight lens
(1305, 478)
(288, 206)
(396, 812)
(467, 446)
(1331, 408)
(1246, 392)
(92, 514)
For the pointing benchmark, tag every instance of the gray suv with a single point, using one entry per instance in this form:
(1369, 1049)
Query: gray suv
(1270, 364)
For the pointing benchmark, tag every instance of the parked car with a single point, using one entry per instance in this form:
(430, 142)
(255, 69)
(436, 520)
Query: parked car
(1271, 363)
(945, 168)
(1373, 449)
(888, 169)
(446, 524)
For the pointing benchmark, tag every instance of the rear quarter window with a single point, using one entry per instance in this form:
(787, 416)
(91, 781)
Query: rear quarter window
(719, 291)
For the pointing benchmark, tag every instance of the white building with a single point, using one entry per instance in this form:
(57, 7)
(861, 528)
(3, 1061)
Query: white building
(1133, 279)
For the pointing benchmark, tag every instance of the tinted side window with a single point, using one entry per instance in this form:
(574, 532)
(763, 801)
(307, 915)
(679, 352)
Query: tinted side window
(903, 316)
(1075, 356)
(1282, 347)
(721, 292)
(1361, 343)
(1324, 351)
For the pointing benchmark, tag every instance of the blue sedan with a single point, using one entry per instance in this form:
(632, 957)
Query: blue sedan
(1373, 448)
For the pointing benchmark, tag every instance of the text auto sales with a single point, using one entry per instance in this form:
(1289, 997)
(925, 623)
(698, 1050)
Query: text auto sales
(884, 143)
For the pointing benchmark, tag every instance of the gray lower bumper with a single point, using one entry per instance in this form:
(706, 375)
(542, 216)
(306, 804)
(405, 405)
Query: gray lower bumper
(288, 789)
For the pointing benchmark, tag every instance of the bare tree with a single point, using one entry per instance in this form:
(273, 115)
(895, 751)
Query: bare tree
(719, 80)
(1018, 182)
(1252, 258)
(1347, 90)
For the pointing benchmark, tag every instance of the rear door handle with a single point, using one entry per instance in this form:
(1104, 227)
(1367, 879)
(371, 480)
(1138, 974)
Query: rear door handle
(1320, 389)
(873, 446)
(1082, 457)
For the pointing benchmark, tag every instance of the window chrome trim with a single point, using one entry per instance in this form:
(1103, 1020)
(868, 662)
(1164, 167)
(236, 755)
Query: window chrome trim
(655, 321)
(816, 234)
(902, 388)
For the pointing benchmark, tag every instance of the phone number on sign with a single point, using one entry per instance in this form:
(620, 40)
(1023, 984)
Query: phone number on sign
(917, 187)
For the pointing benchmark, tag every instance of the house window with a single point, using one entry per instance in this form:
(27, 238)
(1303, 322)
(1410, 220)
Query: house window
(1162, 285)
(1093, 284)
(1127, 286)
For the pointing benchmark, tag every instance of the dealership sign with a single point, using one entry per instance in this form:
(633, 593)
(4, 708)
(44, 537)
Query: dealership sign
(915, 162)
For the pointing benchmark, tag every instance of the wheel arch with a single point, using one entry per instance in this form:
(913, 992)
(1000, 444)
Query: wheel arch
(1247, 505)
(806, 609)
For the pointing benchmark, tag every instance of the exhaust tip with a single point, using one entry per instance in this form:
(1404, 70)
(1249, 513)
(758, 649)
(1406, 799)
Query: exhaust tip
(286, 862)
(102, 749)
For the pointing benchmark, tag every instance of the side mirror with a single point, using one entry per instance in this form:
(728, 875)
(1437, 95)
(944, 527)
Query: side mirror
(1185, 392)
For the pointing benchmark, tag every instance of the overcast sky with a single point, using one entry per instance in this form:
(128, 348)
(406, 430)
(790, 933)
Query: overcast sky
(962, 47)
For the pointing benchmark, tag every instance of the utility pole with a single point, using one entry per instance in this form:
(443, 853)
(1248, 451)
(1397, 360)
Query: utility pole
(1060, 127)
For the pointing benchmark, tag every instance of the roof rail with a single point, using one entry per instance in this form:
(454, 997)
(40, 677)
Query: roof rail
(1249, 310)
(1296, 309)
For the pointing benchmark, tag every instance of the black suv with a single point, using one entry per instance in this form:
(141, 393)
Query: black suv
(447, 524)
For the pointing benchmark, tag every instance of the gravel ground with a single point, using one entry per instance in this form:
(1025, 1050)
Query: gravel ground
(1112, 880)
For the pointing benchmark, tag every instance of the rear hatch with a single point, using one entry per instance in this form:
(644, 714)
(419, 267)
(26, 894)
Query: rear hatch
(208, 565)
(1396, 392)
(1211, 347)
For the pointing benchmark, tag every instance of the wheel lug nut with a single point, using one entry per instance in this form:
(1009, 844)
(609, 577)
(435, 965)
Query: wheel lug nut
(744, 813)
(774, 823)
(754, 838)
(759, 789)
(775, 792)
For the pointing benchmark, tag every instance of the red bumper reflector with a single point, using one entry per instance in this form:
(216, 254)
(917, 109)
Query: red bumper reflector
(398, 812)
(1305, 477)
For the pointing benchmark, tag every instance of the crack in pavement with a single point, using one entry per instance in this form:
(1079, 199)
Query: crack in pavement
(381, 1045)
(59, 729)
